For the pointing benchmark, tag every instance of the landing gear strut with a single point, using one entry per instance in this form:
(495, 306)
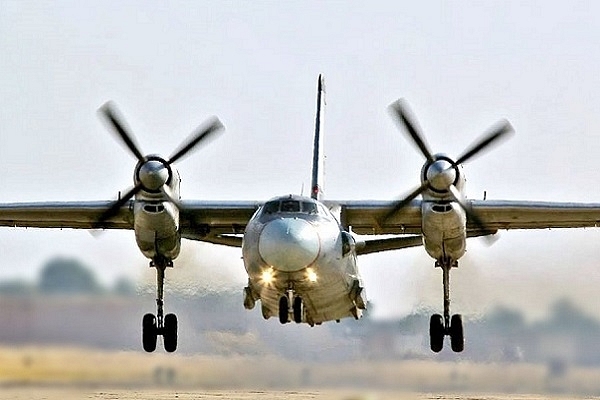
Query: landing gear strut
(159, 325)
(439, 326)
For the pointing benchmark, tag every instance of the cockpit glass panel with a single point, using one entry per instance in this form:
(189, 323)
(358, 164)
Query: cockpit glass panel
(293, 206)
(309, 207)
(271, 207)
(290, 206)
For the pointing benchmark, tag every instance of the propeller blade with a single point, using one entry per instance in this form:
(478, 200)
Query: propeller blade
(471, 215)
(202, 133)
(116, 206)
(404, 202)
(501, 129)
(399, 110)
(109, 111)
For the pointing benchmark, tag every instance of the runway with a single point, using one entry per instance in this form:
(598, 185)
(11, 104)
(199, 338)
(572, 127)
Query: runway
(40, 393)
(39, 372)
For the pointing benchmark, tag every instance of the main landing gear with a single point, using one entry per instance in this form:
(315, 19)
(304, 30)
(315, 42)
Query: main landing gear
(154, 326)
(296, 310)
(445, 326)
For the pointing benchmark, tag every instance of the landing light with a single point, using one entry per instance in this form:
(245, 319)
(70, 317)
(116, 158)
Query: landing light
(267, 276)
(311, 275)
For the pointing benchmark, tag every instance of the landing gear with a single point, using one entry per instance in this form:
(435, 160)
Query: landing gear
(439, 326)
(265, 312)
(170, 333)
(249, 300)
(357, 295)
(436, 332)
(149, 333)
(284, 310)
(165, 325)
(296, 311)
(457, 338)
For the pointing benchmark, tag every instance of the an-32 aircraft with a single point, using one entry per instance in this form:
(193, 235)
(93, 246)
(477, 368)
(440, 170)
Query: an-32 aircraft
(300, 252)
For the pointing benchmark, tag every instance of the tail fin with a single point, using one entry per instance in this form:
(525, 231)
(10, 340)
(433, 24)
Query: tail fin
(318, 157)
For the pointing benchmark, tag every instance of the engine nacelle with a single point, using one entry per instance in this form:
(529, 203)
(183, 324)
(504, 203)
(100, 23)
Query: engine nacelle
(156, 226)
(444, 229)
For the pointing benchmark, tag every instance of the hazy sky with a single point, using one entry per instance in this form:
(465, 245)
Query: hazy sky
(170, 65)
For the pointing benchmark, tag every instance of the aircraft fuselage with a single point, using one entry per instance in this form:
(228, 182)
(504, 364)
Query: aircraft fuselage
(294, 245)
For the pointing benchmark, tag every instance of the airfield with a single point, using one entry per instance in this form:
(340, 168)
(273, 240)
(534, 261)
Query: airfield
(44, 393)
(41, 372)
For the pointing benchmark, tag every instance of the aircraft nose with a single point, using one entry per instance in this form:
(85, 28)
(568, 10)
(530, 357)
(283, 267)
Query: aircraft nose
(289, 244)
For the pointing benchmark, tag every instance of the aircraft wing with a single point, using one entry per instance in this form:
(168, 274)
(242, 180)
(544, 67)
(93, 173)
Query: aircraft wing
(223, 222)
(216, 221)
(78, 215)
(211, 221)
(364, 216)
(510, 214)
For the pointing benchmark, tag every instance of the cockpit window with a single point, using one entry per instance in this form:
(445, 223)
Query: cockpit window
(271, 207)
(290, 206)
(309, 207)
(293, 206)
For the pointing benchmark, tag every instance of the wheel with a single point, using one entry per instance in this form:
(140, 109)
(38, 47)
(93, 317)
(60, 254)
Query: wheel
(298, 309)
(149, 333)
(436, 333)
(170, 333)
(284, 314)
(457, 338)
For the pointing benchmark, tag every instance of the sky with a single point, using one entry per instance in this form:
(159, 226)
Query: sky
(168, 66)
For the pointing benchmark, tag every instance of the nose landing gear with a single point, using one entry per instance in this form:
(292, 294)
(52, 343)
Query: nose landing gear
(159, 325)
(296, 311)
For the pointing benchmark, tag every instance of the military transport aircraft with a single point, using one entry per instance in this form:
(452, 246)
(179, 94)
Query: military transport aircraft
(300, 251)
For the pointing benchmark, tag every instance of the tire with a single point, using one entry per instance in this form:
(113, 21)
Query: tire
(170, 333)
(149, 333)
(284, 315)
(457, 338)
(436, 333)
(298, 309)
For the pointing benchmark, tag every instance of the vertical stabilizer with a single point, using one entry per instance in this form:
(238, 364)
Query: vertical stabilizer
(318, 157)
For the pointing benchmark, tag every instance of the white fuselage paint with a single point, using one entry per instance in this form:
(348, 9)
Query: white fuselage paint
(334, 263)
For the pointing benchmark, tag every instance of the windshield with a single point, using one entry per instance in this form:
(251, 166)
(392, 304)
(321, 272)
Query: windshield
(290, 206)
(271, 207)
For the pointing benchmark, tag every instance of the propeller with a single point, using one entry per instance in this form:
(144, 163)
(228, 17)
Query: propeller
(441, 173)
(153, 173)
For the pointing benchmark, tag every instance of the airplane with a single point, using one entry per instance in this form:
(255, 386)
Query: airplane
(300, 252)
